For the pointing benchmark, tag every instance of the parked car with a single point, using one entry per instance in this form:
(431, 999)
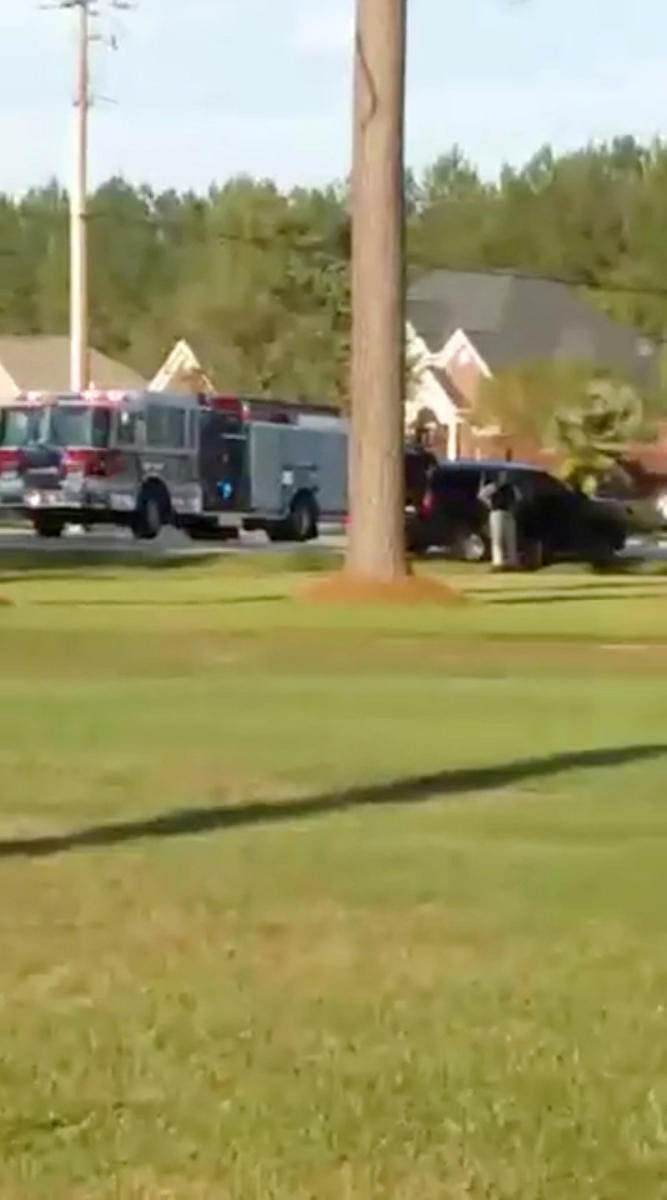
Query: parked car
(554, 521)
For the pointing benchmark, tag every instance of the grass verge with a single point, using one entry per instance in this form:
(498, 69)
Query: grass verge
(301, 902)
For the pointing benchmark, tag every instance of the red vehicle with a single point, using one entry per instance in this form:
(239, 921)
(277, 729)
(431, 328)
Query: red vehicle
(148, 459)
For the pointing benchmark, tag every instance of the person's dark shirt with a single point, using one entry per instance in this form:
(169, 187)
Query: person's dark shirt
(501, 496)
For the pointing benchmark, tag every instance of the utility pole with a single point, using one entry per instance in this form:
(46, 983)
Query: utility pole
(79, 349)
(376, 548)
(79, 357)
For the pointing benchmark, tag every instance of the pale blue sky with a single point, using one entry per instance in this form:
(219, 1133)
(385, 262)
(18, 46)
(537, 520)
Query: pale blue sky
(203, 89)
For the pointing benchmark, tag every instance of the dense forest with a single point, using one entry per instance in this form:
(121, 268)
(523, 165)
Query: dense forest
(257, 279)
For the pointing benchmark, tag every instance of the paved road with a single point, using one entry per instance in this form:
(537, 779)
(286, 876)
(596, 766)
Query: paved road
(171, 542)
(649, 551)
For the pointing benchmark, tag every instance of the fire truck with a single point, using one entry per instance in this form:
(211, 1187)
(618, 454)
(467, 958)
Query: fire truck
(211, 465)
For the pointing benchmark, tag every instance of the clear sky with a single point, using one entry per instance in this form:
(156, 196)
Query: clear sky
(203, 89)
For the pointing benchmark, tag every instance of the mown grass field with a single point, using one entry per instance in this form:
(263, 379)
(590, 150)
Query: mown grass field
(299, 902)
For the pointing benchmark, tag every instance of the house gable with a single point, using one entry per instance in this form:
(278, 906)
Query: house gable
(430, 396)
(181, 371)
(460, 351)
(465, 366)
(430, 389)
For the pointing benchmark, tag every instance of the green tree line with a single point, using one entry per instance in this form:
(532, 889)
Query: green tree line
(257, 278)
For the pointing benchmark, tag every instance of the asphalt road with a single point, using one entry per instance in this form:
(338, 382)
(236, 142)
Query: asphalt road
(173, 542)
(170, 542)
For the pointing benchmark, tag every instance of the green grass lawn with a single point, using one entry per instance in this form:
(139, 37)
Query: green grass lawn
(306, 903)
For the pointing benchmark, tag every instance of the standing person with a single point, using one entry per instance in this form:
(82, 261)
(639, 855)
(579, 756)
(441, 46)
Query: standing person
(502, 499)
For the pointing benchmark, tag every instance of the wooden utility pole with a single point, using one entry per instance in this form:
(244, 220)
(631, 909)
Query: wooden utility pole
(79, 358)
(376, 548)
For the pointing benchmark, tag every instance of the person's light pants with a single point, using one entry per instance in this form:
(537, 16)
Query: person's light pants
(503, 539)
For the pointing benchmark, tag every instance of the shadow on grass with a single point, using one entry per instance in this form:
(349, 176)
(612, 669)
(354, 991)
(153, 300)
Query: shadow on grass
(592, 595)
(129, 602)
(17, 566)
(411, 790)
(552, 585)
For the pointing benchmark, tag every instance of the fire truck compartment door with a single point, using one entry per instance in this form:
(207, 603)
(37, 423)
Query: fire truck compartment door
(279, 466)
(285, 459)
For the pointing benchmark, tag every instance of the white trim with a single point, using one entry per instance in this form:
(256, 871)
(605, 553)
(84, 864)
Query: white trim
(181, 358)
(9, 389)
(418, 355)
(429, 393)
(460, 344)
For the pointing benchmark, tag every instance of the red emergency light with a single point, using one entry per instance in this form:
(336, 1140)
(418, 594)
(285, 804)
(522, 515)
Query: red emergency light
(233, 405)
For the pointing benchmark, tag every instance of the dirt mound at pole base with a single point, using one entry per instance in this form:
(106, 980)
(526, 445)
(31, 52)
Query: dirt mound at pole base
(347, 589)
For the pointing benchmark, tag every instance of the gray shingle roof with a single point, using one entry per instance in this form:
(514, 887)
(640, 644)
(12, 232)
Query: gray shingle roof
(513, 319)
(41, 363)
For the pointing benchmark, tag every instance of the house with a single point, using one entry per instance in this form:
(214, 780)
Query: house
(470, 325)
(434, 403)
(42, 363)
(182, 372)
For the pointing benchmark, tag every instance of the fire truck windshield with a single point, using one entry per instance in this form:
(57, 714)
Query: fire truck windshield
(20, 426)
(78, 425)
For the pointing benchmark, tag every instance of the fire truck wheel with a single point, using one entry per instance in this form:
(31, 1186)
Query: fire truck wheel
(152, 512)
(303, 519)
(48, 526)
